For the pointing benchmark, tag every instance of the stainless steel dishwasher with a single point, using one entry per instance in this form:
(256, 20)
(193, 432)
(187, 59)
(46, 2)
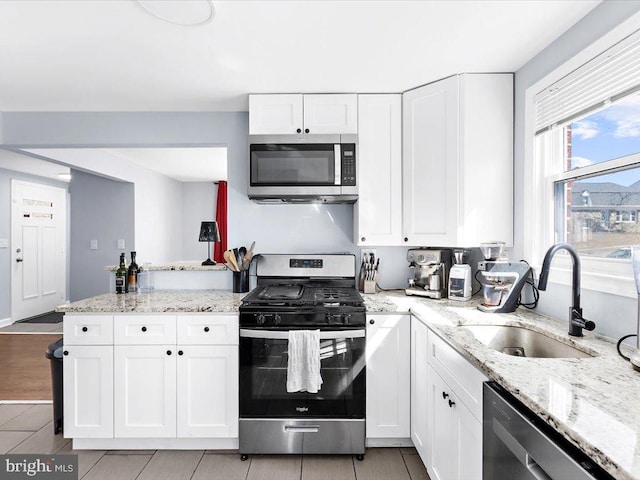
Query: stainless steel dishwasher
(517, 444)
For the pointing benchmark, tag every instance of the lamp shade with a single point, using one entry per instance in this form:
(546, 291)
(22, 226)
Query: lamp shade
(209, 232)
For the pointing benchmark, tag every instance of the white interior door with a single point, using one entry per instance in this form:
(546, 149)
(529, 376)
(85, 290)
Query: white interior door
(38, 244)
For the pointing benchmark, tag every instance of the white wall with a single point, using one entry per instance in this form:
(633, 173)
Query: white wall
(614, 315)
(198, 205)
(158, 201)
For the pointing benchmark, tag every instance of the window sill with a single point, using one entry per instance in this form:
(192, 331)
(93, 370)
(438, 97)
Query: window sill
(605, 275)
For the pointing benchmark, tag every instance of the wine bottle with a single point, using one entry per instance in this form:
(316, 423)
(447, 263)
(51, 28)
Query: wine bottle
(132, 274)
(121, 276)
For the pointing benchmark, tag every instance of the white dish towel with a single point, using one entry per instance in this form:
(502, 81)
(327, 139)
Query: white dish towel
(303, 369)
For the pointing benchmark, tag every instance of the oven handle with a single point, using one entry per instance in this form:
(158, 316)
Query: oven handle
(284, 334)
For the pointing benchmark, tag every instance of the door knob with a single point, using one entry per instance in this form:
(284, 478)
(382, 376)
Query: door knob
(19, 256)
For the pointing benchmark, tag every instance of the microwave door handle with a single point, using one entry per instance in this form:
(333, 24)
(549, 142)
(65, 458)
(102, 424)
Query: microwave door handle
(337, 158)
(284, 334)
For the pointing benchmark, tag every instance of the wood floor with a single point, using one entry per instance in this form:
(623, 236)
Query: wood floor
(25, 372)
(28, 429)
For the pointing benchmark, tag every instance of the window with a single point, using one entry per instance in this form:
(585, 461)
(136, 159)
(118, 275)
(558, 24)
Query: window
(597, 194)
(582, 162)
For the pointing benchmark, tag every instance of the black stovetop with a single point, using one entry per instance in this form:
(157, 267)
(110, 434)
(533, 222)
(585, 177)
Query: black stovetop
(303, 295)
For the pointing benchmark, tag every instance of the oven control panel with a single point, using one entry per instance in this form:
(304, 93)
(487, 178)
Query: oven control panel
(305, 263)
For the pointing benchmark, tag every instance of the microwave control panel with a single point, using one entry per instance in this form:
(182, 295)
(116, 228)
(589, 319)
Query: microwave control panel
(348, 164)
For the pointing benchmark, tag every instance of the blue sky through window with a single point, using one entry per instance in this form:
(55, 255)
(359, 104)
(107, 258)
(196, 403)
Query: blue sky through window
(610, 133)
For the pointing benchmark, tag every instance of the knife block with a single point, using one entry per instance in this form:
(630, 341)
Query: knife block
(370, 285)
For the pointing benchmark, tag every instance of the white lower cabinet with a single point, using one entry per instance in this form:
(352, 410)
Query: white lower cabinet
(388, 376)
(207, 376)
(145, 391)
(153, 383)
(446, 396)
(419, 386)
(456, 435)
(88, 391)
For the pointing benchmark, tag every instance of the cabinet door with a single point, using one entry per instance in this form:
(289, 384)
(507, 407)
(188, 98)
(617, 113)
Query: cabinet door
(145, 391)
(430, 164)
(467, 432)
(275, 114)
(88, 391)
(388, 376)
(419, 388)
(331, 113)
(207, 391)
(441, 447)
(378, 211)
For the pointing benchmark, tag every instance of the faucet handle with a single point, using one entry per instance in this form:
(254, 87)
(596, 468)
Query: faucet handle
(578, 321)
(589, 325)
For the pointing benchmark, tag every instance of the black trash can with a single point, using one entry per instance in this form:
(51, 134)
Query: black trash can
(54, 354)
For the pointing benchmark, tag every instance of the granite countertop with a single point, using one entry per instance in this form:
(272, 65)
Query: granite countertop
(158, 301)
(176, 266)
(590, 401)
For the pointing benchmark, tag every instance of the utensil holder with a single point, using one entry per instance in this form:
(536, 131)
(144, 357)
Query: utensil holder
(241, 281)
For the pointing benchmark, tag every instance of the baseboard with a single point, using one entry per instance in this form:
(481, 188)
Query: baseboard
(389, 442)
(5, 322)
(155, 444)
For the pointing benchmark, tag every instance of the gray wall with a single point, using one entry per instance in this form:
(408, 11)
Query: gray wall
(5, 232)
(275, 228)
(102, 210)
(614, 315)
(198, 204)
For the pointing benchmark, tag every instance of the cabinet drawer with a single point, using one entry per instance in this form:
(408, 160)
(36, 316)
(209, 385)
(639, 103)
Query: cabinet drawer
(207, 329)
(88, 329)
(144, 329)
(462, 377)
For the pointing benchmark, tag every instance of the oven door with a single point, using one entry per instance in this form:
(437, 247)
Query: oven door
(263, 376)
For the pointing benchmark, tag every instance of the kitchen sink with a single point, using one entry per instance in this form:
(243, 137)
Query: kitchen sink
(523, 342)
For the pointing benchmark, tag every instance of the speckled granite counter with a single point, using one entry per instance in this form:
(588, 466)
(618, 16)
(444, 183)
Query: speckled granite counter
(158, 301)
(177, 266)
(593, 402)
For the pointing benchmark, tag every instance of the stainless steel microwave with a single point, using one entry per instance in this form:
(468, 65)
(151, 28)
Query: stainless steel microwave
(303, 169)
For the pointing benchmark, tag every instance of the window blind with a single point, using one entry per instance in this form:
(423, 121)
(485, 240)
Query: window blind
(610, 76)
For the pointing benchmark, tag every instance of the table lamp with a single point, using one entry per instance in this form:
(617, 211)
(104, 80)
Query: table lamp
(209, 233)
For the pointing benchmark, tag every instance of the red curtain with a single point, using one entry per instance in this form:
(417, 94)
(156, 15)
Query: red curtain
(221, 218)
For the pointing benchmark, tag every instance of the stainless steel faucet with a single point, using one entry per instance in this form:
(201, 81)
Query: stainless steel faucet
(576, 322)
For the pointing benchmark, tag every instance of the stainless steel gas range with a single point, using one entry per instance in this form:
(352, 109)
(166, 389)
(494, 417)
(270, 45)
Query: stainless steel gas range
(303, 292)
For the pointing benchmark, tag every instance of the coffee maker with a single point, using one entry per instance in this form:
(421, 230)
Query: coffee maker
(430, 272)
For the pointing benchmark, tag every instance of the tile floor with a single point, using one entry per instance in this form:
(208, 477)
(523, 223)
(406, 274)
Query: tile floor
(27, 428)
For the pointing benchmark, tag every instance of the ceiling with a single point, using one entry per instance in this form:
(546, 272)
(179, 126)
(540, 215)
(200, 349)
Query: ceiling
(116, 56)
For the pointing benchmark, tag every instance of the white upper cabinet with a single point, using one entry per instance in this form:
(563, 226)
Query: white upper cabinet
(331, 113)
(275, 114)
(297, 113)
(377, 218)
(458, 161)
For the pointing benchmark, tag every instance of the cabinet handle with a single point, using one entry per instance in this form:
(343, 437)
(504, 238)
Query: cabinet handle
(363, 239)
(306, 130)
(206, 329)
(144, 329)
(180, 352)
(168, 352)
(66, 352)
(406, 239)
(299, 130)
(451, 403)
(84, 329)
(445, 395)
(372, 321)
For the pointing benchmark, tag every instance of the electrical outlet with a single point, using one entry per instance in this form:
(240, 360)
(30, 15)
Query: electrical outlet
(93, 245)
(121, 244)
(4, 243)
